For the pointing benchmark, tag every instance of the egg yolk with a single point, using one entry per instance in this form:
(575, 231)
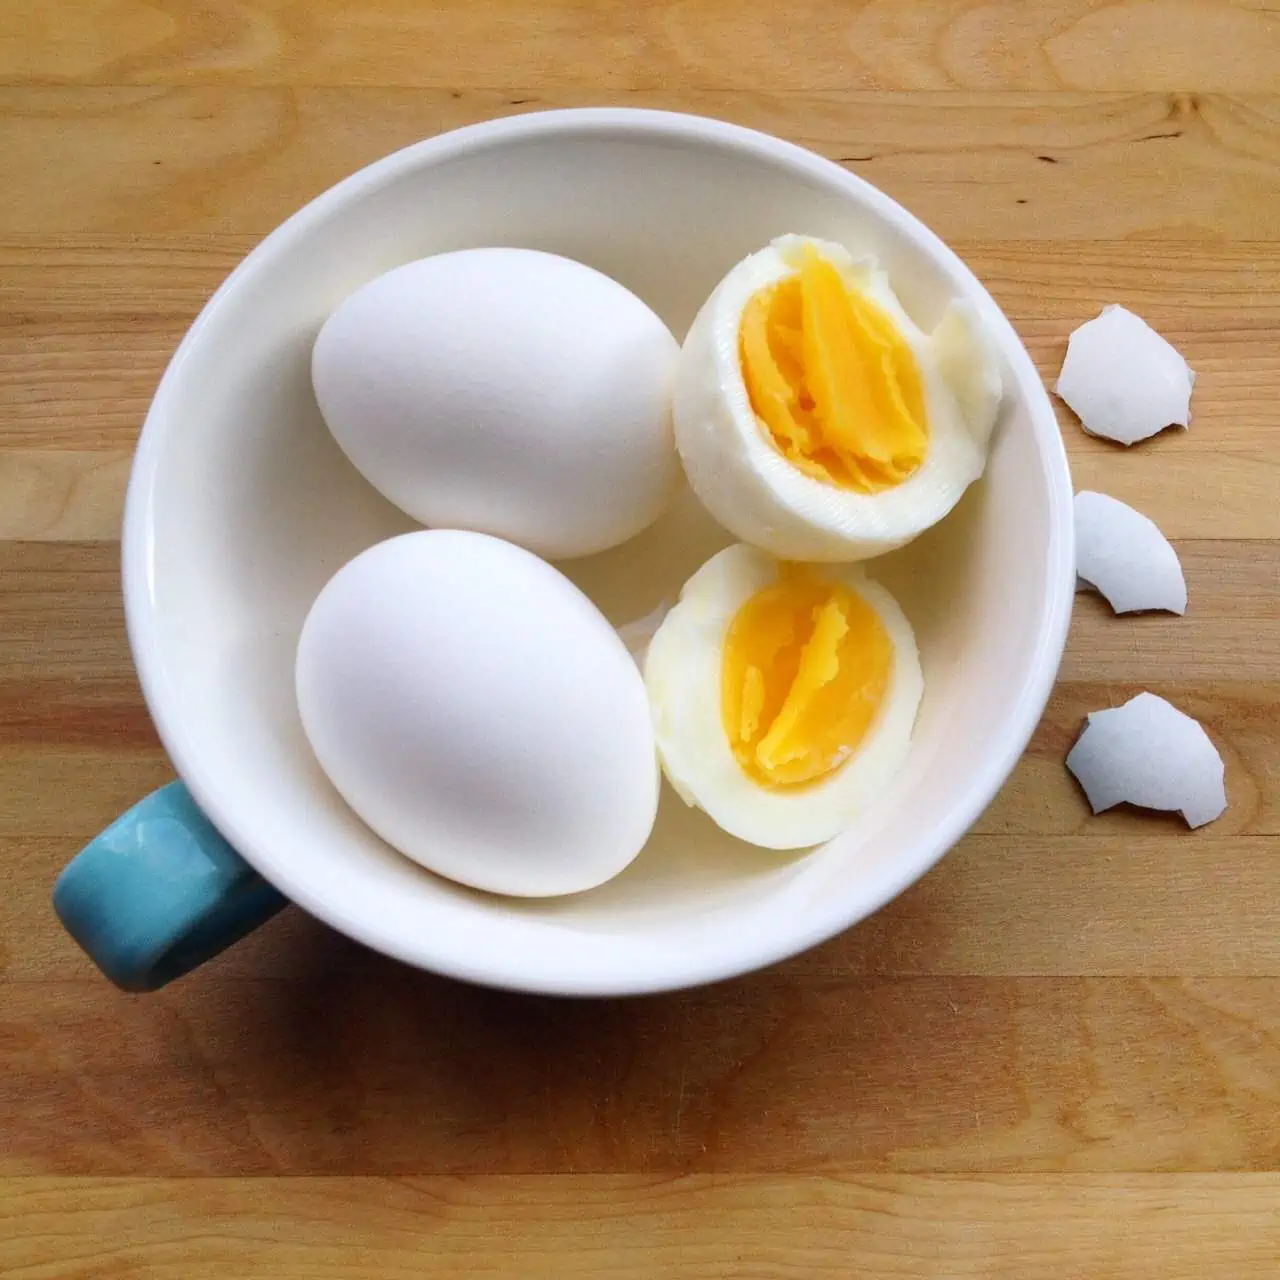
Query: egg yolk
(805, 667)
(833, 380)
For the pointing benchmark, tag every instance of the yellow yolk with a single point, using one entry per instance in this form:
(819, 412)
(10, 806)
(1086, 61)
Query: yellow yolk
(832, 379)
(806, 664)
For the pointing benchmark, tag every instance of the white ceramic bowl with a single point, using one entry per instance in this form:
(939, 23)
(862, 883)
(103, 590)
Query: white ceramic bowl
(241, 506)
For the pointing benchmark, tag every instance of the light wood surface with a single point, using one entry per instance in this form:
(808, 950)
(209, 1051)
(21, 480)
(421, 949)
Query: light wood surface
(1058, 1055)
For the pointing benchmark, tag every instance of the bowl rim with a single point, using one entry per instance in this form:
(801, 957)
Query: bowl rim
(512, 971)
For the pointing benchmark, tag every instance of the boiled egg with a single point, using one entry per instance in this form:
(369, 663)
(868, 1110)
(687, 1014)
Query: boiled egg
(816, 419)
(505, 391)
(783, 695)
(479, 713)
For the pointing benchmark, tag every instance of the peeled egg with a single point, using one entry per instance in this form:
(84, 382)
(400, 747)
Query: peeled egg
(815, 419)
(783, 695)
(505, 391)
(478, 712)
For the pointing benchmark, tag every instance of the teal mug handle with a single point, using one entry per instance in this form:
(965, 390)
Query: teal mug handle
(160, 892)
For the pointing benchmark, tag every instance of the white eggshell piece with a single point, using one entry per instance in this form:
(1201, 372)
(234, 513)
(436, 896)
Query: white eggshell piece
(757, 493)
(1123, 380)
(505, 391)
(1149, 753)
(1122, 554)
(480, 714)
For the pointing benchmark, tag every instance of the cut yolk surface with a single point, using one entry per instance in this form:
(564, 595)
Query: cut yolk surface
(833, 380)
(806, 665)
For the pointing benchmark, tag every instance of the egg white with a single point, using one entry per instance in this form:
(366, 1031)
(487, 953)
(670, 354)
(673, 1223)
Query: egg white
(747, 483)
(683, 679)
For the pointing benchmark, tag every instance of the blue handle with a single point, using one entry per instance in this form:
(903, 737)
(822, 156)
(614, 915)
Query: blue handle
(160, 892)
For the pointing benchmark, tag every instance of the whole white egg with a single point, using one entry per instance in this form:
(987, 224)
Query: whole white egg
(505, 391)
(480, 714)
(854, 470)
(783, 695)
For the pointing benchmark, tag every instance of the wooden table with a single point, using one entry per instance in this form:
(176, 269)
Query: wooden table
(1058, 1055)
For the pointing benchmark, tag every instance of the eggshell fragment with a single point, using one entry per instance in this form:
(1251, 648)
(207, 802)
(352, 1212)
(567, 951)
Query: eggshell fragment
(1149, 753)
(1123, 380)
(1122, 553)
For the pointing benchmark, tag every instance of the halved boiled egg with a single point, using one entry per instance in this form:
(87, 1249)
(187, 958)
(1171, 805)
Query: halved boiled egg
(816, 419)
(783, 695)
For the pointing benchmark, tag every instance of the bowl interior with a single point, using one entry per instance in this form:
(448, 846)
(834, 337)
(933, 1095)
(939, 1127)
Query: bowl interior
(242, 507)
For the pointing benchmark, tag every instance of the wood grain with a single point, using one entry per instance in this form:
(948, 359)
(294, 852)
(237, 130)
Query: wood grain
(1057, 1055)
(629, 1227)
(991, 166)
(355, 1065)
(997, 906)
(609, 46)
